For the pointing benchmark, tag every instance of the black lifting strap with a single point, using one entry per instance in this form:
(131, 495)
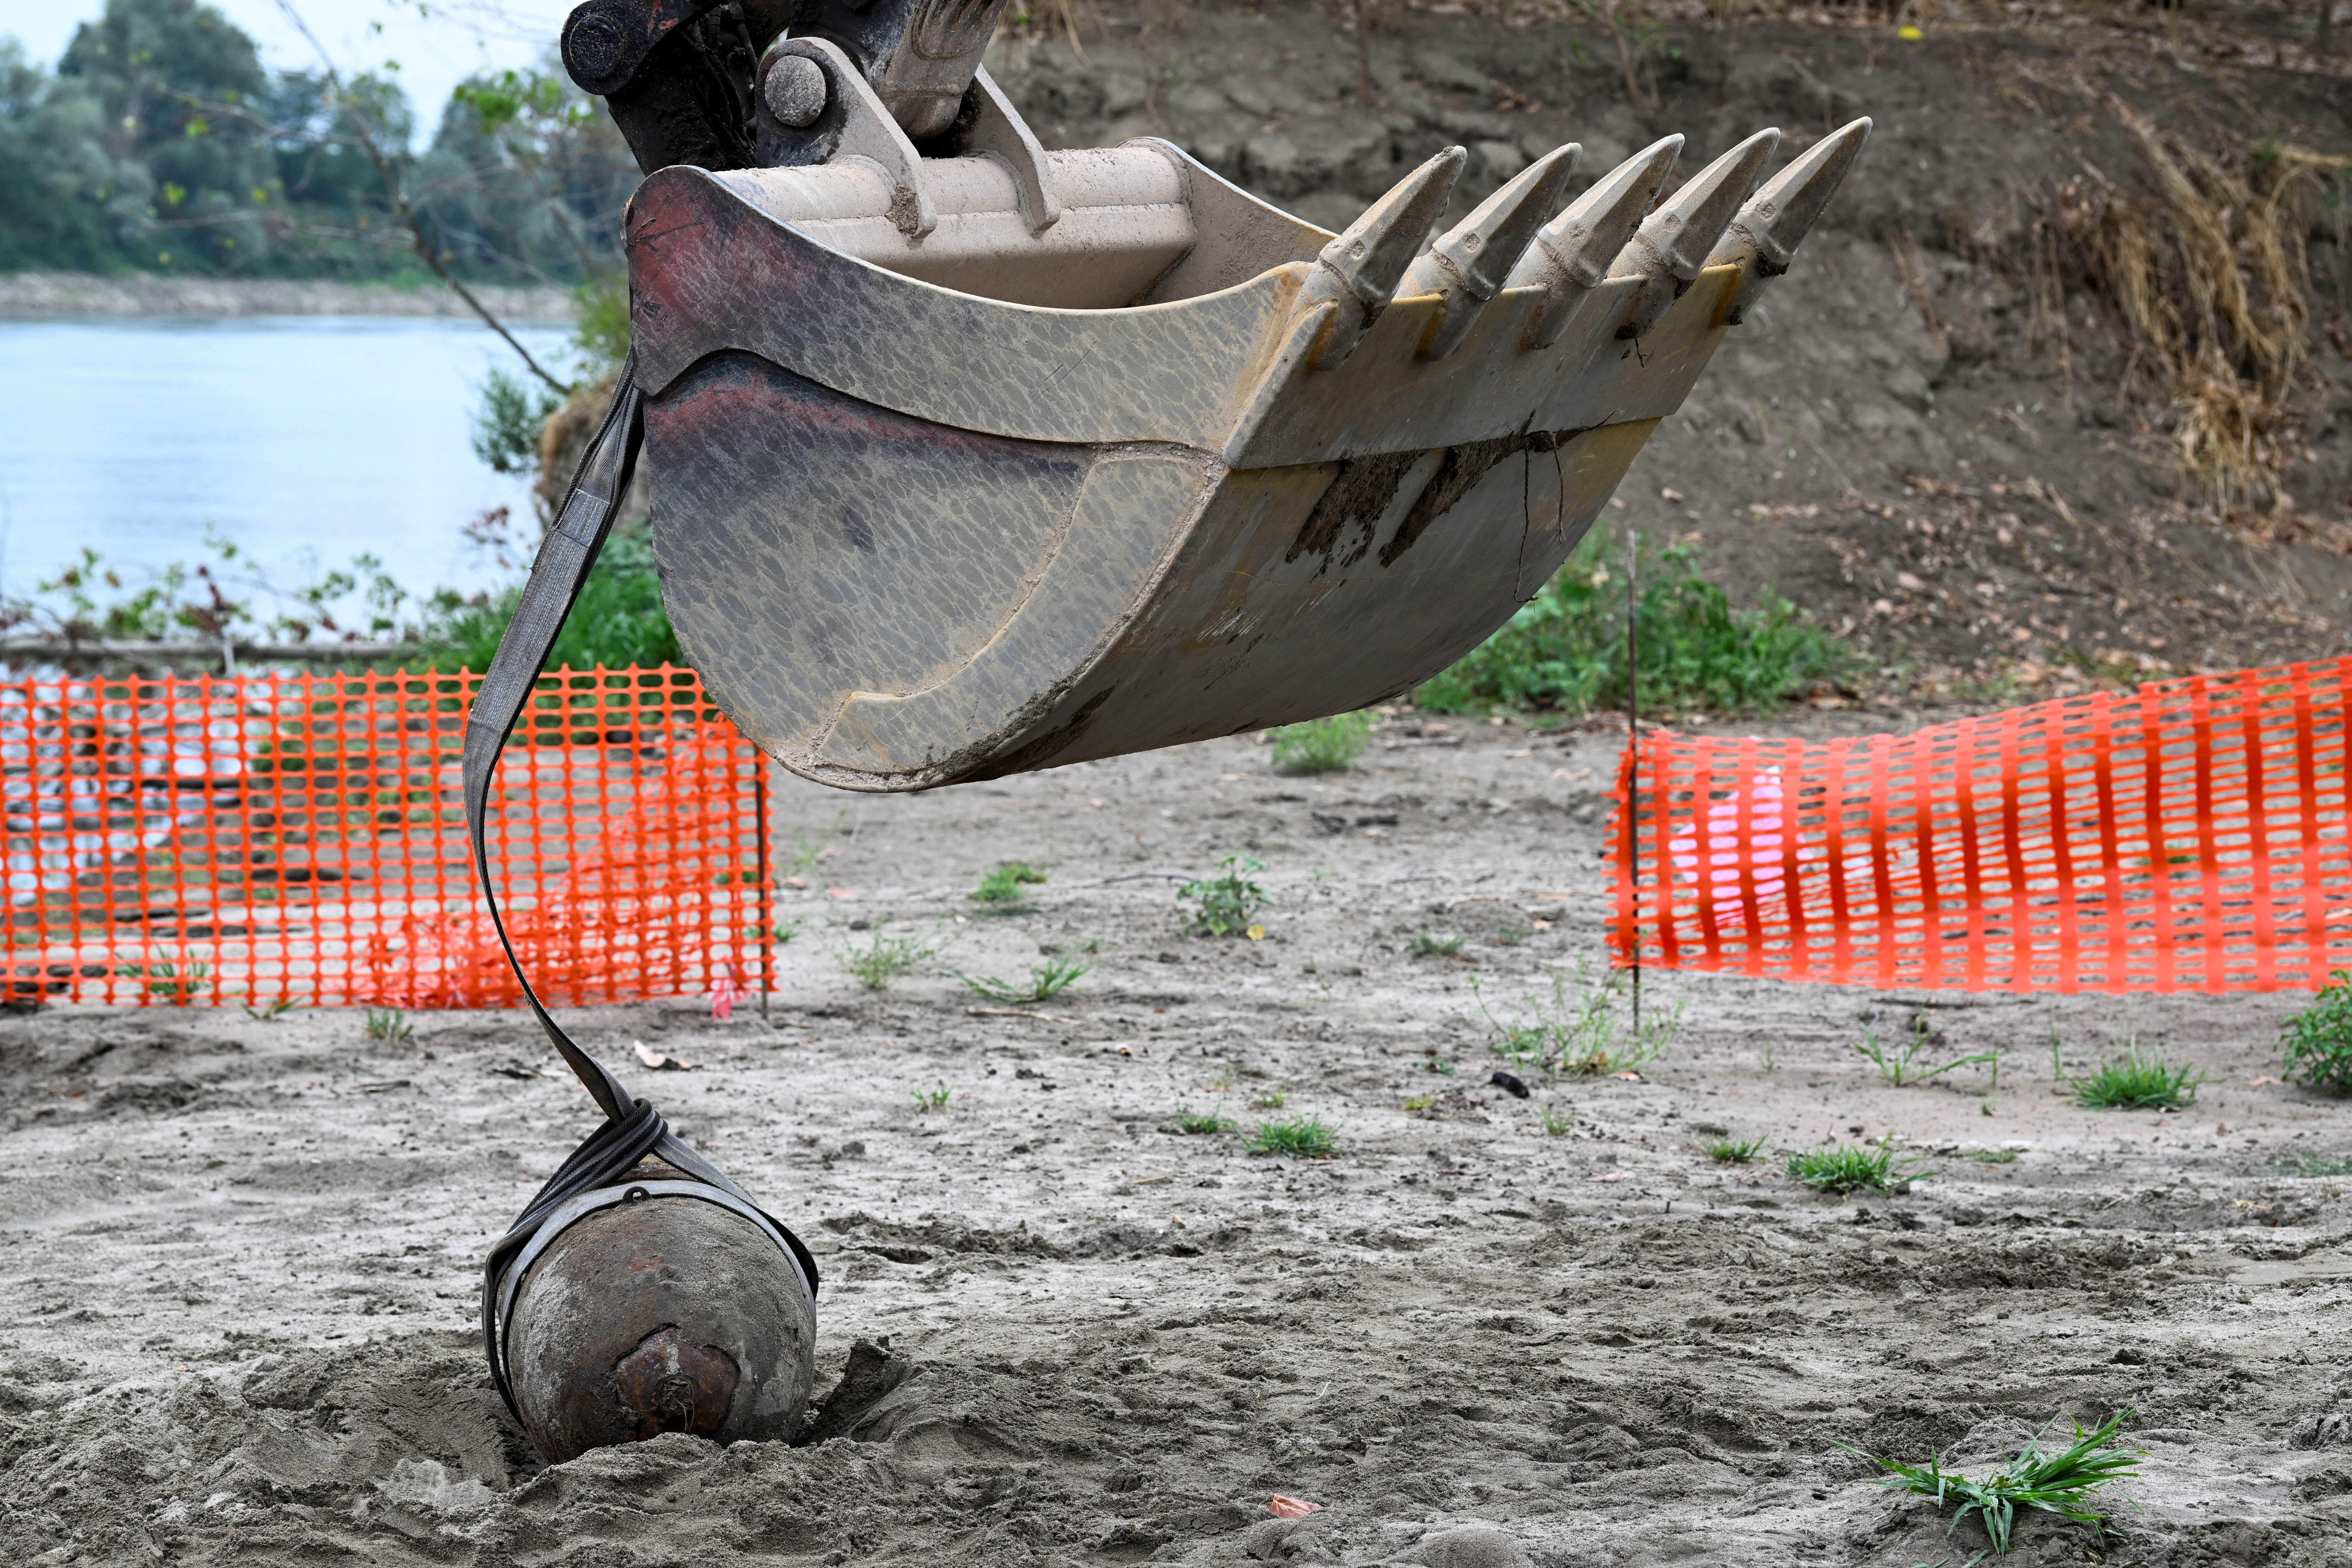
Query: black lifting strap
(632, 1129)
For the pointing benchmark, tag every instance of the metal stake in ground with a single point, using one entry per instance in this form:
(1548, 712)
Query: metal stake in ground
(1633, 752)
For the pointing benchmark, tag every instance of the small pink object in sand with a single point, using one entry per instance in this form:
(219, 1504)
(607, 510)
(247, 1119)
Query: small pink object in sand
(725, 992)
(1291, 1507)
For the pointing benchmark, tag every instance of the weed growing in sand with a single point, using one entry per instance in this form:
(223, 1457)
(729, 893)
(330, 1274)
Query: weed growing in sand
(1556, 1123)
(173, 981)
(388, 1024)
(1429, 944)
(1306, 1139)
(1228, 904)
(1269, 1100)
(269, 1012)
(1579, 1035)
(1004, 884)
(1850, 1167)
(1898, 1067)
(1046, 982)
(2319, 1040)
(1441, 1065)
(2061, 1483)
(1198, 1122)
(2313, 1165)
(1414, 1104)
(1993, 1156)
(2134, 1081)
(1732, 1151)
(1322, 745)
(930, 1099)
(884, 959)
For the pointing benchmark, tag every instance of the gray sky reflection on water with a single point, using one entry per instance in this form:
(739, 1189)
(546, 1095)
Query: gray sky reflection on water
(292, 435)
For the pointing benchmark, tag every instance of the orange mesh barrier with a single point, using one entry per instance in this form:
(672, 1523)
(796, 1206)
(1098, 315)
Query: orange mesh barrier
(2187, 837)
(300, 838)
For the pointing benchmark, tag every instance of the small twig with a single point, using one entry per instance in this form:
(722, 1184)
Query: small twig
(1006, 1013)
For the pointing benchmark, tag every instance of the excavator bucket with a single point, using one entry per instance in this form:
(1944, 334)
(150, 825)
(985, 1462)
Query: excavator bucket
(995, 458)
(968, 459)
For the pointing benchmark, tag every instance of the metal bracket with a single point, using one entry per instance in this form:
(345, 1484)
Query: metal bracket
(854, 125)
(991, 125)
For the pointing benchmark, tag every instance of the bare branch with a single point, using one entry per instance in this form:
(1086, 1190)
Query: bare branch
(421, 241)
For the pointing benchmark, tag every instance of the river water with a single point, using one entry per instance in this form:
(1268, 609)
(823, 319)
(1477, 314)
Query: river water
(305, 439)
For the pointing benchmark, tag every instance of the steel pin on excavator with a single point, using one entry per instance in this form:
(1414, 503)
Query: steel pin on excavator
(969, 458)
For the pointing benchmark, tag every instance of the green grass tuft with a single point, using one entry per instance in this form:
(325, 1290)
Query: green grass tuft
(2134, 1081)
(1850, 1167)
(1898, 1067)
(1004, 884)
(1431, 945)
(1322, 745)
(2313, 1165)
(2319, 1040)
(1565, 647)
(884, 959)
(1198, 1122)
(1732, 1151)
(388, 1024)
(1046, 982)
(1579, 1035)
(1993, 1156)
(929, 1099)
(1556, 1123)
(2063, 1483)
(1306, 1139)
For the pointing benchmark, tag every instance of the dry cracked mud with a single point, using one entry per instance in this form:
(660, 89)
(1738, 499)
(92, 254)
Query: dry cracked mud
(239, 1314)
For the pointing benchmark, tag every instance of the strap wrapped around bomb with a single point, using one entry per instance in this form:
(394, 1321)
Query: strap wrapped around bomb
(640, 1291)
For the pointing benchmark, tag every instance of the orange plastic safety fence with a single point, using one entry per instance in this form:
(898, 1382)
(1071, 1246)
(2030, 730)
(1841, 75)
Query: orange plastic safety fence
(2192, 835)
(281, 838)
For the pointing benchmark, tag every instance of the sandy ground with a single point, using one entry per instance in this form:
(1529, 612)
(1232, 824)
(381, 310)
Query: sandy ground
(239, 1317)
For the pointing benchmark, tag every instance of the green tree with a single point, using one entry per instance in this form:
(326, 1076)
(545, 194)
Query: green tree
(60, 180)
(179, 87)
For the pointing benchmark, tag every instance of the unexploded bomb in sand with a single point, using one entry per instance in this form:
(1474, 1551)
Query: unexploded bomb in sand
(667, 1312)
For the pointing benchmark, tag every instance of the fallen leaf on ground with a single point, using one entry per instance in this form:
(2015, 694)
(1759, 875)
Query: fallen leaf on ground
(1291, 1507)
(801, 883)
(660, 1063)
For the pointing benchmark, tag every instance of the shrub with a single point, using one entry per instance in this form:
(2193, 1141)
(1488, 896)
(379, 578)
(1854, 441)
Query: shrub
(2319, 1040)
(617, 621)
(1322, 745)
(1565, 648)
(1228, 904)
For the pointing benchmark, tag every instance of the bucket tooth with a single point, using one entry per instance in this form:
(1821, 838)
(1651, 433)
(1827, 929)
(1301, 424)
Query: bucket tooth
(1674, 242)
(1469, 263)
(1571, 254)
(1359, 271)
(1765, 236)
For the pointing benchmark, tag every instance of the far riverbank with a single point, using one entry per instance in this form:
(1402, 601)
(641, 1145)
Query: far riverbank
(44, 295)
